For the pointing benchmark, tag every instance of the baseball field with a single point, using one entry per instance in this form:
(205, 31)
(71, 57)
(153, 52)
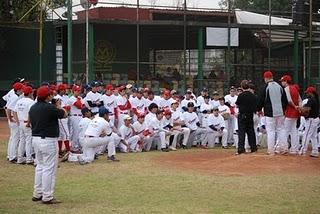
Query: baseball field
(186, 181)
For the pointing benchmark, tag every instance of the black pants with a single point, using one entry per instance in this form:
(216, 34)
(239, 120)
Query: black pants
(245, 126)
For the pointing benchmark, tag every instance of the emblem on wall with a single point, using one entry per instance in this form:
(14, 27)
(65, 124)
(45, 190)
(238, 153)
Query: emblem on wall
(105, 53)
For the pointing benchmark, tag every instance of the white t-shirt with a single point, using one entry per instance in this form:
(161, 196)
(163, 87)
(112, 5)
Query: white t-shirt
(74, 111)
(22, 108)
(217, 122)
(83, 125)
(109, 102)
(232, 100)
(125, 132)
(97, 126)
(190, 119)
(93, 97)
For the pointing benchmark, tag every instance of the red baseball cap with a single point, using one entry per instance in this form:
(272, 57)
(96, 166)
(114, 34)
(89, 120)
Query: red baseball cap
(43, 92)
(109, 87)
(267, 75)
(141, 115)
(17, 86)
(62, 87)
(27, 90)
(167, 112)
(286, 78)
(76, 88)
(311, 90)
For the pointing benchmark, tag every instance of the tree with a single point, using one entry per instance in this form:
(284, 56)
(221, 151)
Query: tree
(13, 10)
(258, 5)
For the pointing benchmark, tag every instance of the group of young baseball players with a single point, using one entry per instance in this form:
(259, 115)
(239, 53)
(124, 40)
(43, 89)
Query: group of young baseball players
(107, 119)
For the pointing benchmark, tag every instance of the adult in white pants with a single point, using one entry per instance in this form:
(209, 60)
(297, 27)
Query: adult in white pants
(273, 101)
(13, 124)
(45, 131)
(46, 151)
(312, 122)
(25, 144)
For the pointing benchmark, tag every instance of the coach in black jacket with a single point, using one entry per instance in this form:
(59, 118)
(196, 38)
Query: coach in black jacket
(273, 101)
(247, 104)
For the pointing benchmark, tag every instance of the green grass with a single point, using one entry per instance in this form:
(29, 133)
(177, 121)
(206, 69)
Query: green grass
(138, 184)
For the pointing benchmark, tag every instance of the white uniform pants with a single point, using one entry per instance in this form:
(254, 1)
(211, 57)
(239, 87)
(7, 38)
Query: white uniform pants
(213, 135)
(163, 141)
(231, 127)
(64, 133)
(132, 141)
(13, 140)
(25, 144)
(185, 132)
(91, 144)
(275, 125)
(47, 162)
(147, 143)
(74, 126)
(290, 125)
(310, 134)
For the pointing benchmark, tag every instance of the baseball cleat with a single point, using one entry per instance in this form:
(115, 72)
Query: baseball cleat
(113, 159)
(36, 199)
(52, 201)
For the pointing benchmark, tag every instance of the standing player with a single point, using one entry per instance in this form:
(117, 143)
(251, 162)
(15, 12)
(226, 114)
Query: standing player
(93, 98)
(230, 101)
(76, 103)
(22, 117)
(291, 112)
(273, 101)
(123, 104)
(13, 125)
(138, 104)
(109, 101)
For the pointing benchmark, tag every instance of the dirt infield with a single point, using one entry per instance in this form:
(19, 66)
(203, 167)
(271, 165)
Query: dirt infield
(222, 162)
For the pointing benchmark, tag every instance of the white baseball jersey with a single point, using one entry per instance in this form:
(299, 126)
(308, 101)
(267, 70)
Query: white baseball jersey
(8, 96)
(93, 97)
(214, 103)
(110, 102)
(190, 119)
(200, 100)
(184, 102)
(125, 132)
(216, 121)
(139, 104)
(13, 101)
(148, 102)
(64, 100)
(156, 125)
(176, 115)
(121, 100)
(224, 109)
(163, 103)
(148, 119)
(22, 108)
(83, 125)
(165, 122)
(205, 106)
(157, 99)
(139, 127)
(74, 110)
(98, 126)
(232, 100)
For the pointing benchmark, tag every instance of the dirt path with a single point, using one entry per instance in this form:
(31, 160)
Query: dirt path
(222, 162)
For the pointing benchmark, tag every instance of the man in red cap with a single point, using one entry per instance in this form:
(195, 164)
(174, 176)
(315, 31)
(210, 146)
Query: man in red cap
(166, 100)
(64, 137)
(273, 101)
(76, 103)
(45, 132)
(109, 101)
(311, 113)
(22, 117)
(124, 105)
(139, 104)
(13, 124)
(291, 112)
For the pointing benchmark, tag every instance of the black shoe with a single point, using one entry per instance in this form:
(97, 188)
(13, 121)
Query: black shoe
(36, 199)
(113, 158)
(184, 147)
(96, 156)
(225, 147)
(165, 150)
(52, 201)
(13, 160)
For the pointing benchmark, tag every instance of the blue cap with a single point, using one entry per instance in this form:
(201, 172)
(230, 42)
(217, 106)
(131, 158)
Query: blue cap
(102, 111)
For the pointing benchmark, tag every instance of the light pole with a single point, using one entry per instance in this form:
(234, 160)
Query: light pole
(69, 38)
